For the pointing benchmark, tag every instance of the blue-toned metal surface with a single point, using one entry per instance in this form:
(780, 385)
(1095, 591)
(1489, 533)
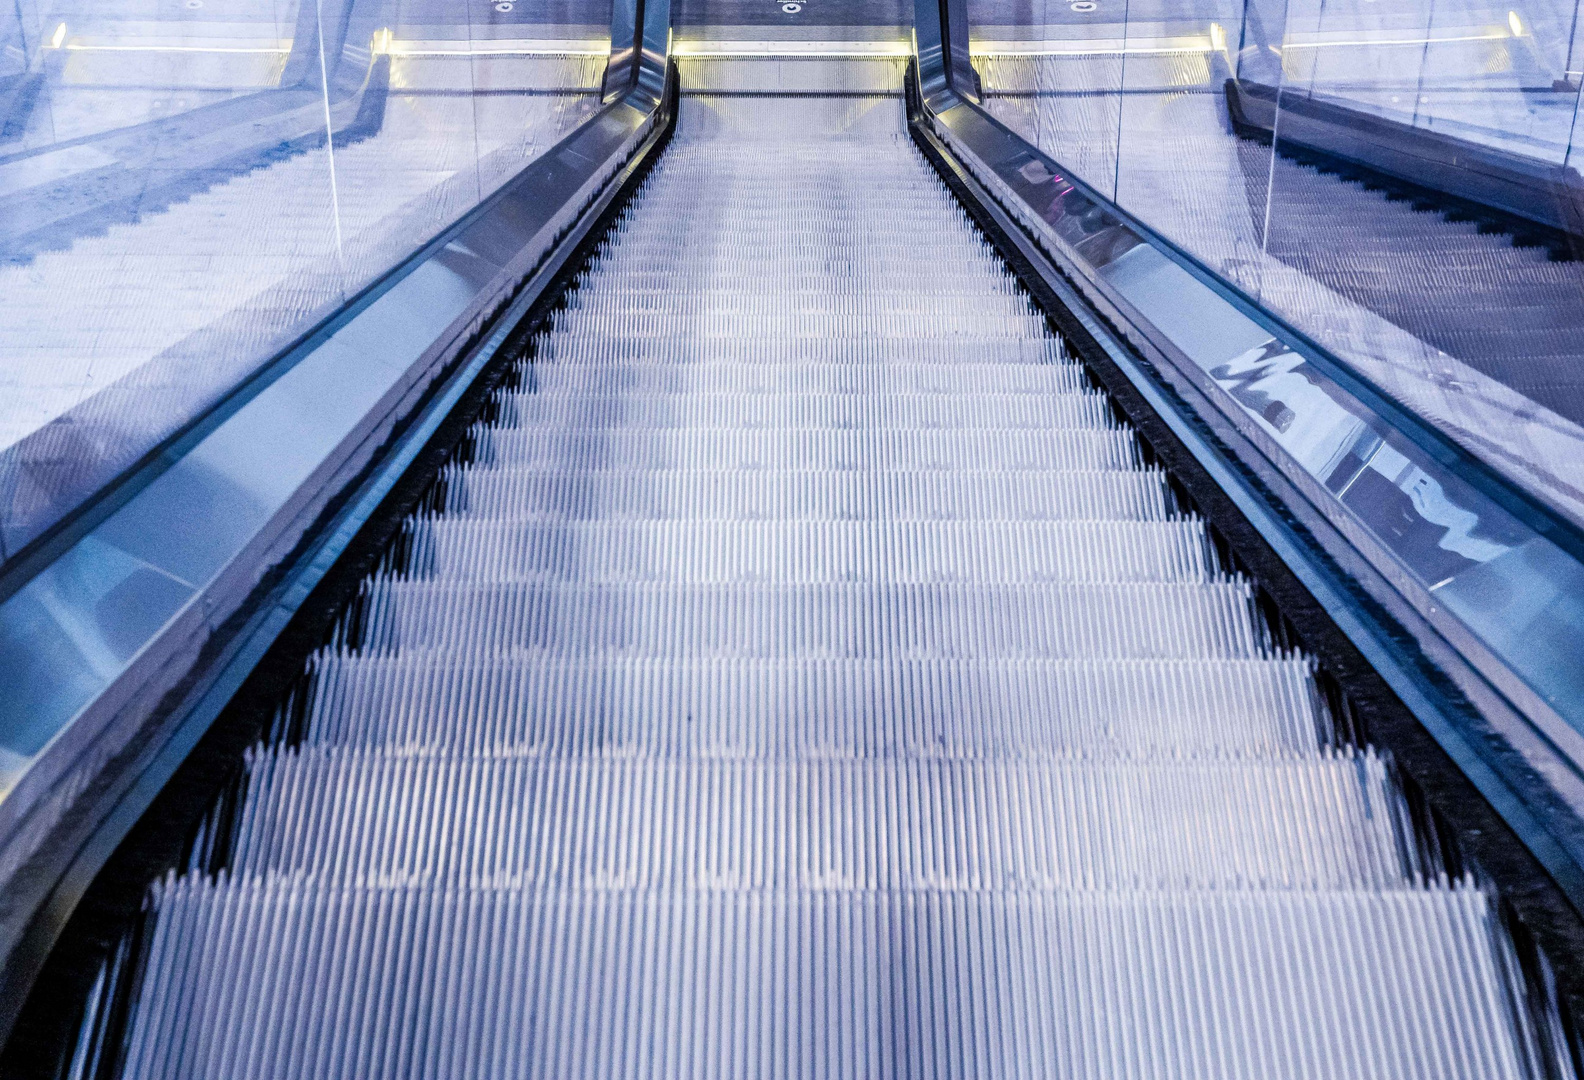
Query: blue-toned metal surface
(93, 640)
(1487, 570)
(626, 43)
(940, 41)
(640, 48)
(655, 48)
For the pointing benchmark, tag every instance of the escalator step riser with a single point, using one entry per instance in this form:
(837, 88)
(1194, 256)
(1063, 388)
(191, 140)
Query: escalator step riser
(926, 310)
(699, 276)
(789, 709)
(396, 816)
(283, 978)
(1122, 621)
(797, 552)
(884, 326)
(866, 411)
(962, 363)
(509, 493)
(966, 376)
(813, 448)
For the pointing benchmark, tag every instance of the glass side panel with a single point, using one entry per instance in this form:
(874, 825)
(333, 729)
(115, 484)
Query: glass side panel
(1397, 180)
(188, 185)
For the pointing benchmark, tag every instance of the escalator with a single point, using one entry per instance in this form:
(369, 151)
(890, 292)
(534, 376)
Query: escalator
(789, 650)
(799, 669)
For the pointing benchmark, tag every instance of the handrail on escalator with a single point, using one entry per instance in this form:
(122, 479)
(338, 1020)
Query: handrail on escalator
(121, 642)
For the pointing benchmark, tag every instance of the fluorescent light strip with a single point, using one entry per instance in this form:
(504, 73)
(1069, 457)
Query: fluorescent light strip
(792, 50)
(1489, 35)
(394, 48)
(1116, 47)
(1095, 47)
(77, 47)
(505, 47)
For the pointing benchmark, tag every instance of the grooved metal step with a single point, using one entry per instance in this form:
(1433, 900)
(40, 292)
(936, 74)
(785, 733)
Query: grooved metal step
(815, 448)
(529, 493)
(392, 814)
(988, 707)
(399, 980)
(1125, 621)
(1030, 409)
(463, 549)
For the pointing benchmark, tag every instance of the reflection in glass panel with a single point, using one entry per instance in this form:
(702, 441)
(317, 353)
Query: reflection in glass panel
(475, 94)
(1420, 217)
(187, 185)
(1053, 72)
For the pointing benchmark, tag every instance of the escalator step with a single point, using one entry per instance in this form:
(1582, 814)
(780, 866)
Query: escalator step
(444, 819)
(794, 708)
(529, 493)
(473, 550)
(283, 976)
